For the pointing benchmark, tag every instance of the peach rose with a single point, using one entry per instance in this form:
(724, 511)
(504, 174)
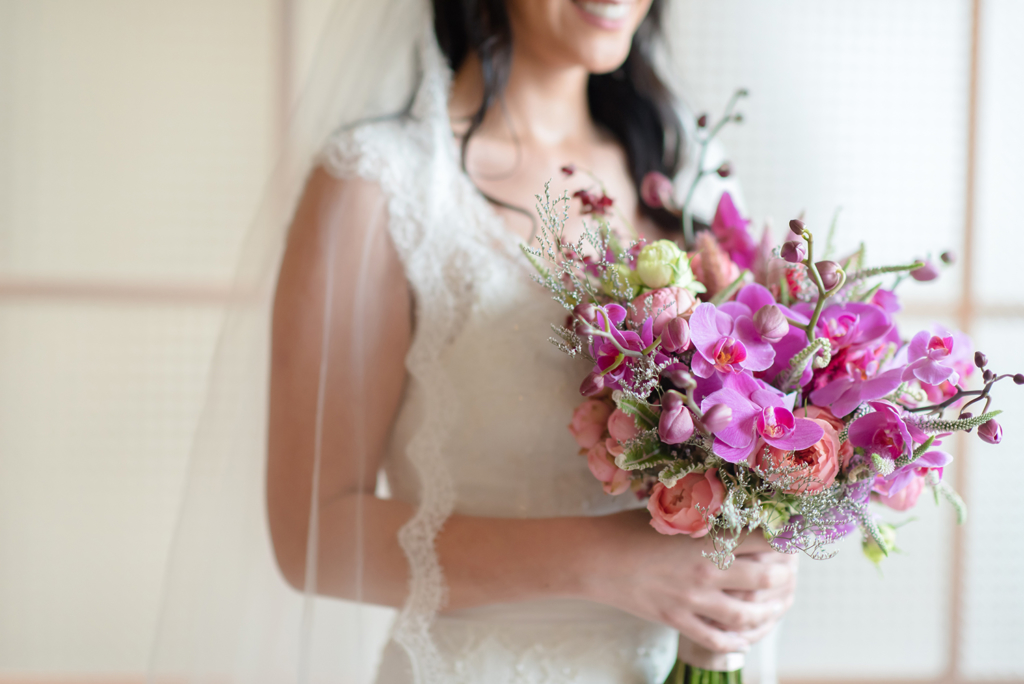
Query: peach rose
(589, 421)
(621, 426)
(602, 465)
(711, 265)
(818, 413)
(906, 498)
(666, 303)
(816, 466)
(686, 507)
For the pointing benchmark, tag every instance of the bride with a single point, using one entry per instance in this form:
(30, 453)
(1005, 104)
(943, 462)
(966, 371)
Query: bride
(418, 455)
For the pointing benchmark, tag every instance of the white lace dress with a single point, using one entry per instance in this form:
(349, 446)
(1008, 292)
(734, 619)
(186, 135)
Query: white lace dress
(482, 429)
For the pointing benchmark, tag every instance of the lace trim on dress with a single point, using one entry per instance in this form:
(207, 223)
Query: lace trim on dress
(441, 300)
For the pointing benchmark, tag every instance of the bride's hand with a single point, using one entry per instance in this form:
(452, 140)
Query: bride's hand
(668, 580)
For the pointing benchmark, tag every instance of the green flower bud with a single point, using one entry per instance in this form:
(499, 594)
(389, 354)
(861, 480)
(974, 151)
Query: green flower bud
(658, 264)
(871, 548)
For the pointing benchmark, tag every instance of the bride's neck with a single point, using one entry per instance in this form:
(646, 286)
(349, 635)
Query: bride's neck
(542, 104)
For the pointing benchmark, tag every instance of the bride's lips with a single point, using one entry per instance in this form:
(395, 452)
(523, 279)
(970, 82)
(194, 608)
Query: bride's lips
(607, 14)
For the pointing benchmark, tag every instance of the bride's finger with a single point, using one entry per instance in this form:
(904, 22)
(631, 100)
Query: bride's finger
(732, 614)
(764, 595)
(749, 575)
(708, 636)
(755, 635)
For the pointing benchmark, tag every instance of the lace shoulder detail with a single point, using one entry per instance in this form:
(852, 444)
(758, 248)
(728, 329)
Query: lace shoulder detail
(407, 156)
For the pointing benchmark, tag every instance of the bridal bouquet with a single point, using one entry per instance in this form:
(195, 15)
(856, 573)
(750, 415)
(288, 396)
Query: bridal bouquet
(739, 385)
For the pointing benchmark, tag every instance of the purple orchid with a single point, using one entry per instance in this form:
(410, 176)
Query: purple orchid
(727, 340)
(613, 365)
(844, 394)
(853, 323)
(884, 432)
(730, 230)
(930, 357)
(896, 481)
(759, 412)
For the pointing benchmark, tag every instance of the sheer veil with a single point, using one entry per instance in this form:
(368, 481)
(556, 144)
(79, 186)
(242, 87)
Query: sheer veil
(229, 612)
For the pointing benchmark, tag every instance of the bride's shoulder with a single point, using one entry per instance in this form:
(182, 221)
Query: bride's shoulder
(390, 147)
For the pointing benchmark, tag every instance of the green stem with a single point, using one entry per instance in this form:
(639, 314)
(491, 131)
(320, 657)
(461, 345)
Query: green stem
(687, 674)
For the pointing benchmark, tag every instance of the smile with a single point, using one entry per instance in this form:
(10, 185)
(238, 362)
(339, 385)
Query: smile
(609, 11)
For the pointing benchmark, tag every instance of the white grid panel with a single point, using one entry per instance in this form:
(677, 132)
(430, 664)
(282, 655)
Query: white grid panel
(993, 622)
(97, 409)
(860, 105)
(140, 132)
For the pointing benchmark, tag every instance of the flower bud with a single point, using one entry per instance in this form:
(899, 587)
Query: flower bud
(927, 272)
(770, 323)
(658, 263)
(568, 170)
(1018, 379)
(873, 551)
(991, 432)
(829, 272)
(675, 336)
(725, 170)
(702, 121)
(679, 377)
(794, 252)
(980, 360)
(717, 418)
(738, 117)
(988, 375)
(656, 190)
(675, 425)
(797, 226)
(948, 258)
(592, 385)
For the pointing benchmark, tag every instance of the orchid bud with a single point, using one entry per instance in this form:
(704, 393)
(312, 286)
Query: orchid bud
(675, 336)
(568, 170)
(656, 190)
(948, 258)
(829, 272)
(980, 360)
(797, 226)
(675, 425)
(927, 272)
(592, 385)
(770, 323)
(582, 315)
(991, 432)
(988, 375)
(1018, 379)
(702, 121)
(717, 418)
(738, 117)
(679, 377)
(725, 170)
(794, 252)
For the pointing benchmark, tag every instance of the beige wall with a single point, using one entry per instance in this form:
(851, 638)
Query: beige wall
(133, 138)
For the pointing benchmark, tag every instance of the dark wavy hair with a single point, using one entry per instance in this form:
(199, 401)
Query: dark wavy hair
(632, 102)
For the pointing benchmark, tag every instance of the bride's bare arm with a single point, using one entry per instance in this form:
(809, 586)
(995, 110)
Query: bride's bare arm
(618, 559)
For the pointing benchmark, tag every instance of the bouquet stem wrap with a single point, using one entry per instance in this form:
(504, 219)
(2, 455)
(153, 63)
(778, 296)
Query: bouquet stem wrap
(697, 665)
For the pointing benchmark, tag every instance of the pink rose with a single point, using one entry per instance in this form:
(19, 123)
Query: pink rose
(819, 413)
(621, 426)
(906, 498)
(711, 265)
(686, 508)
(588, 422)
(815, 467)
(602, 465)
(666, 303)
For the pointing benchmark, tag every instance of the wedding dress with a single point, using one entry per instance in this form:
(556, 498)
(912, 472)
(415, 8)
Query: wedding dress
(482, 427)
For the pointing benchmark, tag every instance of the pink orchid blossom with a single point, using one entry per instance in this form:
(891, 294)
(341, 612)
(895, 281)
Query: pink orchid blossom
(884, 432)
(731, 231)
(930, 358)
(759, 413)
(844, 394)
(726, 344)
